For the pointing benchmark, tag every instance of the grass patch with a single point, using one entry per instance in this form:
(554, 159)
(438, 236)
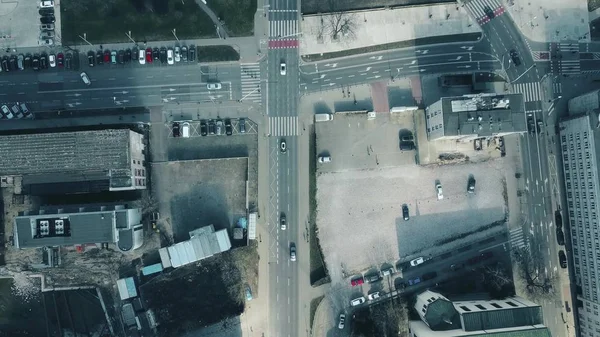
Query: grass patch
(314, 304)
(593, 5)
(394, 45)
(318, 270)
(108, 21)
(217, 54)
(238, 15)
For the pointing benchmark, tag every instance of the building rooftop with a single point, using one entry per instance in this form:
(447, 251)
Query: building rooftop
(64, 152)
(204, 243)
(498, 319)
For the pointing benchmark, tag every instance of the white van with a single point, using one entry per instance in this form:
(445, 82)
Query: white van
(185, 130)
(323, 117)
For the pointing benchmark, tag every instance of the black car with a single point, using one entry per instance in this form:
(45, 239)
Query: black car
(49, 11)
(99, 57)
(515, 57)
(163, 55)
(44, 61)
(35, 62)
(13, 62)
(242, 125)
(489, 12)
(562, 259)
(429, 276)
(68, 60)
(184, 53)
(90, 57)
(121, 56)
(405, 212)
(211, 127)
(5, 66)
(558, 219)
(471, 184)
(176, 130)
(192, 53)
(560, 236)
(228, 128)
(156, 54)
(47, 19)
(127, 55)
(27, 61)
(203, 128)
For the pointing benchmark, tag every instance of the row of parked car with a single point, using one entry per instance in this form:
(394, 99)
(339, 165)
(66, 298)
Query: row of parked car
(47, 20)
(15, 111)
(38, 61)
(208, 127)
(149, 55)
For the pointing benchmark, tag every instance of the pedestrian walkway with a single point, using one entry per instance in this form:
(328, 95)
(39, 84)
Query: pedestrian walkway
(570, 67)
(283, 126)
(251, 82)
(282, 33)
(531, 91)
(283, 28)
(557, 88)
(484, 10)
(517, 239)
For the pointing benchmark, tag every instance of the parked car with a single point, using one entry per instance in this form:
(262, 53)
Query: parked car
(46, 11)
(5, 66)
(6, 112)
(46, 4)
(414, 281)
(248, 293)
(429, 276)
(27, 61)
(211, 127)
(177, 54)
(148, 55)
(107, 56)
(90, 57)
(372, 278)
(60, 59)
(47, 27)
(405, 214)
(184, 53)
(47, 19)
(176, 129)
(282, 222)
(127, 55)
(99, 57)
(357, 301)
(192, 53)
(357, 281)
(417, 261)
(558, 219)
(46, 34)
(35, 62)
(68, 60)
(44, 61)
(16, 111)
(560, 236)
(170, 56)
(46, 42)
(163, 55)
(562, 259)
(185, 130)
(52, 60)
(142, 56)
(242, 125)
(20, 62)
(228, 128)
(121, 56)
(156, 54)
(203, 128)
(387, 271)
(341, 321)
(373, 296)
(219, 127)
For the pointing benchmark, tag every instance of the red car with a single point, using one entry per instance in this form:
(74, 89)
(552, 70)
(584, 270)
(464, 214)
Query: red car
(60, 59)
(149, 55)
(357, 282)
(107, 56)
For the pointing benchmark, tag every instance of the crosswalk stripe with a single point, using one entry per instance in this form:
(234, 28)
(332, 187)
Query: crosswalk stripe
(283, 28)
(283, 126)
(477, 9)
(250, 74)
(517, 239)
(530, 90)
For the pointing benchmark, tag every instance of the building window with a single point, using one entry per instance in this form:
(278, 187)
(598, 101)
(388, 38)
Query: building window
(511, 304)
(465, 308)
(480, 306)
(496, 305)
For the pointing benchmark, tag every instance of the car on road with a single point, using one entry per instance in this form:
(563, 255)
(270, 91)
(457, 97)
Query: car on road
(148, 55)
(228, 127)
(85, 78)
(373, 296)
(283, 68)
(560, 236)
(405, 214)
(457, 266)
(282, 146)
(163, 55)
(440, 192)
(90, 57)
(558, 218)
(342, 321)
(417, 261)
(184, 53)
(292, 252)
(192, 53)
(414, 281)
(47, 4)
(562, 259)
(6, 112)
(324, 159)
(170, 56)
(514, 56)
(52, 60)
(242, 125)
(357, 301)
(471, 184)
(156, 54)
(429, 276)
(176, 129)
(219, 127)
(489, 12)
(213, 86)
(177, 54)
(282, 222)
(142, 56)
(203, 128)
(357, 281)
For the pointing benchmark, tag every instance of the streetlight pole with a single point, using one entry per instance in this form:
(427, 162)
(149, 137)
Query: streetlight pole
(84, 39)
(128, 34)
(174, 31)
(525, 72)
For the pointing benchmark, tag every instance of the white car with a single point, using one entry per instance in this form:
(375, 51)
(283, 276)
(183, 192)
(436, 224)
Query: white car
(342, 321)
(282, 222)
(417, 261)
(293, 253)
(142, 56)
(177, 54)
(282, 146)
(52, 60)
(440, 193)
(47, 42)
(357, 301)
(373, 296)
(7, 112)
(170, 56)
(283, 69)
(47, 4)
(85, 78)
(324, 159)
(213, 86)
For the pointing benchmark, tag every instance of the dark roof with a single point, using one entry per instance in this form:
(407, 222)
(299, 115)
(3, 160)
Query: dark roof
(533, 332)
(441, 315)
(505, 318)
(64, 152)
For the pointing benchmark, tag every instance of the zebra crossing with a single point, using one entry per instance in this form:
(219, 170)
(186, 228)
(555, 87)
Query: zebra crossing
(279, 29)
(251, 82)
(481, 10)
(569, 67)
(557, 88)
(531, 91)
(283, 126)
(517, 239)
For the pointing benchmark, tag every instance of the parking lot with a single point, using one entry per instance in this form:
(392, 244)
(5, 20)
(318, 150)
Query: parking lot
(20, 24)
(368, 169)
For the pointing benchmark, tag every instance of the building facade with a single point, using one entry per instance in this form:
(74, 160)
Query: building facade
(74, 162)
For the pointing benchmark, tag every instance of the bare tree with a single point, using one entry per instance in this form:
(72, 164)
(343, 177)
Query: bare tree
(391, 318)
(337, 24)
(148, 203)
(496, 276)
(531, 280)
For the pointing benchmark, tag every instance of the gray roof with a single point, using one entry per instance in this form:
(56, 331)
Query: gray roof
(533, 332)
(485, 121)
(442, 315)
(498, 319)
(80, 151)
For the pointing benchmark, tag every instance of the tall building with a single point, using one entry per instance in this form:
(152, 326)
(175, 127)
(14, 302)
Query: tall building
(74, 162)
(472, 116)
(580, 143)
(510, 317)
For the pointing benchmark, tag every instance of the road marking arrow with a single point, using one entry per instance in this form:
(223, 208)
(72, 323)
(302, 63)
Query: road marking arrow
(76, 95)
(378, 58)
(422, 51)
(323, 75)
(463, 67)
(332, 65)
(122, 92)
(467, 48)
(373, 77)
(368, 68)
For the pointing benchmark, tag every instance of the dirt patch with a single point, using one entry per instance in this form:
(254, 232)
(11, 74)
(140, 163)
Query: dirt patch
(320, 6)
(314, 304)
(318, 271)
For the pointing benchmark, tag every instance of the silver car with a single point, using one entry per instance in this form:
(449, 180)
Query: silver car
(6, 112)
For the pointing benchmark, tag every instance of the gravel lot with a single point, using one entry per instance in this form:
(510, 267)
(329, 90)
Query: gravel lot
(363, 211)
